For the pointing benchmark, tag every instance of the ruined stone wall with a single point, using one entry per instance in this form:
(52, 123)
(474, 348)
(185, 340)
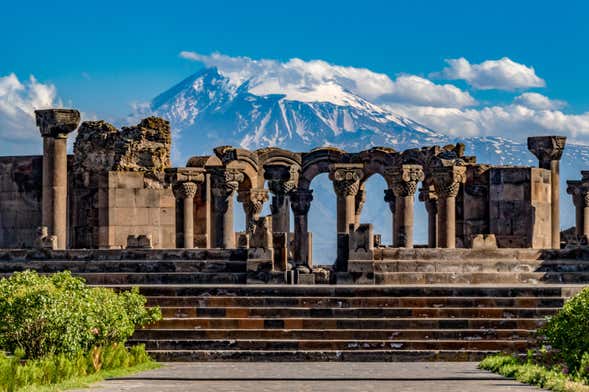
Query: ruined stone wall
(20, 200)
(130, 205)
(118, 184)
(519, 207)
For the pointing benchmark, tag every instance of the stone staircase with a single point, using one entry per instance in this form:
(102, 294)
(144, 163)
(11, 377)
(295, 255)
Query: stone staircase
(434, 305)
(345, 323)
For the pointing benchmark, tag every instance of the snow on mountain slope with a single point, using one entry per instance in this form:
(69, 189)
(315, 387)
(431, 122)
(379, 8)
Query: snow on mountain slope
(208, 109)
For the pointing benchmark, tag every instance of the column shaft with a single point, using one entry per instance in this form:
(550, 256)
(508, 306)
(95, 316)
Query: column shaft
(54, 199)
(585, 225)
(432, 223)
(447, 222)
(555, 202)
(280, 214)
(404, 219)
(188, 222)
(301, 248)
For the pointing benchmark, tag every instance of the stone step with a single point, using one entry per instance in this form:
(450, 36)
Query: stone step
(348, 323)
(470, 266)
(319, 355)
(122, 254)
(354, 291)
(351, 302)
(296, 344)
(479, 277)
(119, 266)
(113, 278)
(338, 334)
(280, 312)
(465, 254)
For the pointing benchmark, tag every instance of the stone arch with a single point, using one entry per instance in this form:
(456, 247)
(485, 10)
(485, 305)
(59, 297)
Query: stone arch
(318, 161)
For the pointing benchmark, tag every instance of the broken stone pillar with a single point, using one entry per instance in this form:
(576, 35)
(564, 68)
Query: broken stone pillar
(281, 180)
(404, 180)
(224, 182)
(185, 182)
(300, 202)
(389, 198)
(55, 125)
(548, 150)
(580, 194)
(360, 200)
(346, 183)
(429, 198)
(253, 202)
(447, 180)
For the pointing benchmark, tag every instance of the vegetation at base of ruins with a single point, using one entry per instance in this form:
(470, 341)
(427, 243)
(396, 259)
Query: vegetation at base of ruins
(567, 332)
(56, 372)
(555, 378)
(562, 363)
(55, 328)
(60, 314)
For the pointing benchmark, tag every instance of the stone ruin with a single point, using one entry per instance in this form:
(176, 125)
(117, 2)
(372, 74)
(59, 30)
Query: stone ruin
(119, 186)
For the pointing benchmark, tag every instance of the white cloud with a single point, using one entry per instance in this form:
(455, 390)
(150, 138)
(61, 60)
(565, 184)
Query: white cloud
(18, 102)
(319, 80)
(538, 101)
(502, 74)
(420, 91)
(514, 121)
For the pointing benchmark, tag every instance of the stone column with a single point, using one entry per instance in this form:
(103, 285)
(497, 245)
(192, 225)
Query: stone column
(447, 180)
(253, 202)
(281, 180)
(300, 202)
(389, 198)
(184, 181)
(429, 198)
(224, 182)
(55, 125)
(346, 183)
(187, 191)
(404, 180)
(580, 192)
(548, 150)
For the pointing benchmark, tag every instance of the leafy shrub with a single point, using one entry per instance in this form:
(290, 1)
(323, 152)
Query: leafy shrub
(530, 373)
(54, 368)
(568, 330)
(60, 314)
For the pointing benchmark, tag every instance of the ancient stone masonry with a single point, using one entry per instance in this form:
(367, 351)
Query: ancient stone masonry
(579, 190)
(122, 184)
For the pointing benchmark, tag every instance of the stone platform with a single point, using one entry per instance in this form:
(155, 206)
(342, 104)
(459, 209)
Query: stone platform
(428, 305)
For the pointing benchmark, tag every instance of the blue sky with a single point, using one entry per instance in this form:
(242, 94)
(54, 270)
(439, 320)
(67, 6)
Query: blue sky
(103, 56)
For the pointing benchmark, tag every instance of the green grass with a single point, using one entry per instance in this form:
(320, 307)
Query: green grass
(533, 374)
(86, 381)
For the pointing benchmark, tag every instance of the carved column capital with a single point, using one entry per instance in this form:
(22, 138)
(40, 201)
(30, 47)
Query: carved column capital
(185, 190)
(447, 180)
(225, 181)
(300, 201)
(57, 123)
(281, 178)
(579, 190)
(404, 179)
(253, 200)
(346, 178)
(547, 148)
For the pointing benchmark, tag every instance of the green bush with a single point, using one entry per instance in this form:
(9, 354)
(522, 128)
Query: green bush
(60, 314)
(568, 331)
(531, 373)
(54, 368)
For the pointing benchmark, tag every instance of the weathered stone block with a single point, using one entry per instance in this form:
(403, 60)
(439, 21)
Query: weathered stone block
(484, 241)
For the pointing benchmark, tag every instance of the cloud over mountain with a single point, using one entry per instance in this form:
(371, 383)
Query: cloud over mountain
(18, 100)
(502, 74)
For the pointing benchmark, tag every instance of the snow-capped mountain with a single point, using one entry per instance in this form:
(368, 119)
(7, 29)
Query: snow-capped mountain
(208, 109)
